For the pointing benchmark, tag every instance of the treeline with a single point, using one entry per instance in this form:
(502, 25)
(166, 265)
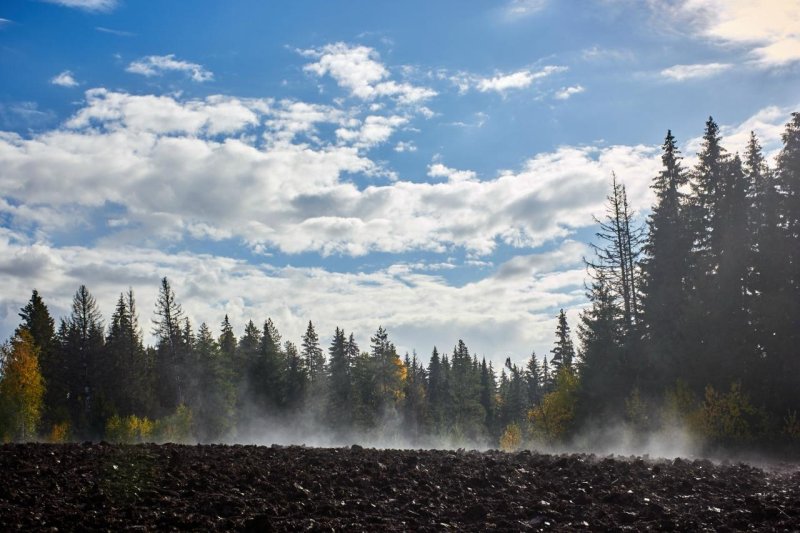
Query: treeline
(83, 380)
(695, 318)
(693, 322)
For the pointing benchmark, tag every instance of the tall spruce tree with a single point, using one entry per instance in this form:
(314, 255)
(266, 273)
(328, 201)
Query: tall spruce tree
(563, 351)
(788, 179)
(170, 364)
(339, 409)
(37, 320)
(666, 273)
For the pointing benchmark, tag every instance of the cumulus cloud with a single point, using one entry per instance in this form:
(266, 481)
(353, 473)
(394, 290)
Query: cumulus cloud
(199, 168)
(359, 70)
(438, 170)
(566, 92)
(768, 29)
(405, 146)
(688, 72)
(157, 65)
(65, 79)
(87, 5)
(497, 315)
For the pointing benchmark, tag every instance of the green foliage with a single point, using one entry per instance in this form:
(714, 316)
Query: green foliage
(129, 430)
(177, 427)
(727, 417)
(511, 439)
(552, 418)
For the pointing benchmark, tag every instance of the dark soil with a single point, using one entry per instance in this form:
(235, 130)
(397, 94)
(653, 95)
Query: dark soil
(152, 487)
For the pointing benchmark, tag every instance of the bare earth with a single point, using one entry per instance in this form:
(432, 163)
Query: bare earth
(255, 488)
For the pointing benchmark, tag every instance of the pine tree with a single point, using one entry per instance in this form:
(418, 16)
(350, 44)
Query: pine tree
(563, 351)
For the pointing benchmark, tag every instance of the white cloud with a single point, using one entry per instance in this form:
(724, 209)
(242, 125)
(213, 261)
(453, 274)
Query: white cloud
(4, 22)
(289, 194)
(65, 79)
(359, 70)
(158, 65)
(438, 170)
(566, 92)
(501, 82)
(769, 28)
(522, 8)
(405, 146)
(87, 5)
(505, 313)
(118, 33)
(688, 72)
(373, 131)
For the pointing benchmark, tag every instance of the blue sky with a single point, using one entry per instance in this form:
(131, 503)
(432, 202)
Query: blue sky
(429, 166)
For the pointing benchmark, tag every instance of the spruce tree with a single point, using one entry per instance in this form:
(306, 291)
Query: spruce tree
(313, 357)
(340, 389)
(170, 350)
(666, 274)
(37, 320)
(564, 351)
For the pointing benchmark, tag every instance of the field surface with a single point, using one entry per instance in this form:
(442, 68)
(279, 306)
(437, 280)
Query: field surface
(255, 488)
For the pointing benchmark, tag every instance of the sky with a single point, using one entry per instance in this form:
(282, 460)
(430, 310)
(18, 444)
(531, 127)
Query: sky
(431, 167)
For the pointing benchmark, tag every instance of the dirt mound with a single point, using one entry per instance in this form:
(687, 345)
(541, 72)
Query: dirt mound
(101, 486)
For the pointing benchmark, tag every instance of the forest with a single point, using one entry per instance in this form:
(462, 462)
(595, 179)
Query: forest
(692, 322)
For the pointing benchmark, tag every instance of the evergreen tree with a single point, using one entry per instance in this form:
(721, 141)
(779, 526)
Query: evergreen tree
(170, 350)
(313, 357)
(618, 253)
(788, 179)
(340, 390)
(563, 351)
(214, 401)
(437, 392)
(81, 342)
(605, 378)
(37, 320)
(533, 380)
(466, 412)
(127, 382)
(666, 273)
(488, 397)
(389, 372)
(269, 376)
(296, 378)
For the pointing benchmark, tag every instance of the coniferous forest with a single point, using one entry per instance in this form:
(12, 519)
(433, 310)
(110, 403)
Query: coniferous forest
(693, 322)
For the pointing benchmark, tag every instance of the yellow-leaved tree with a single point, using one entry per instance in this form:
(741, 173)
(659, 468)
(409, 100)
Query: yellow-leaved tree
(21, 388)
(551, 419)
